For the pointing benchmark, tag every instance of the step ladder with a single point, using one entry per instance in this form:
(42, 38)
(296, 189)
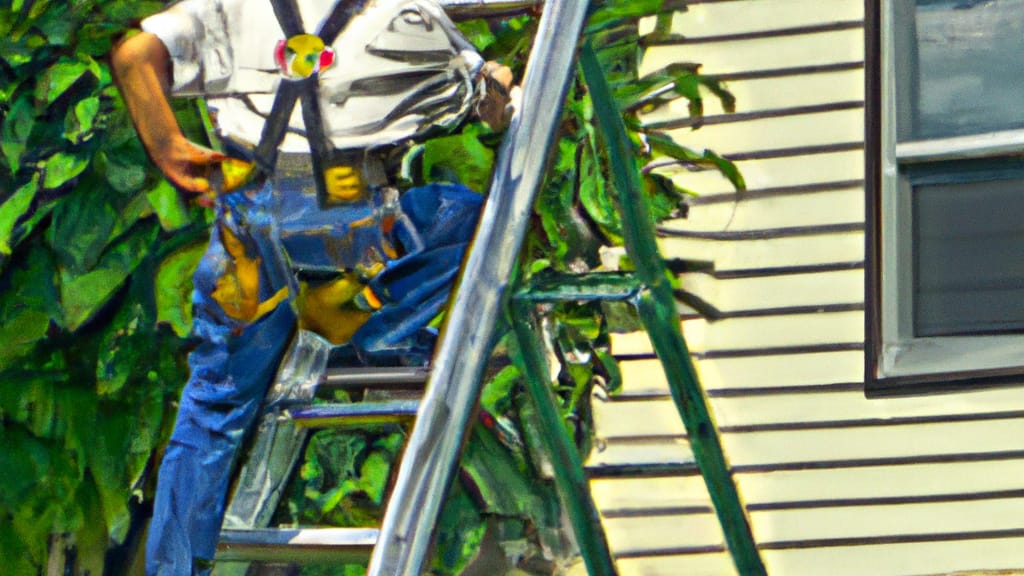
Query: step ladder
(487, 293)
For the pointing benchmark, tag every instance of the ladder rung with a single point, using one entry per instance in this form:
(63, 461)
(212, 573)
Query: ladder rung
(355, 414)
(596, 286)
(651, 470)
(398, 377)
(304, 545)
(464, 9)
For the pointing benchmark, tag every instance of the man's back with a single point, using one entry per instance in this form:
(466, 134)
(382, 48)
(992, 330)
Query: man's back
(400, 69)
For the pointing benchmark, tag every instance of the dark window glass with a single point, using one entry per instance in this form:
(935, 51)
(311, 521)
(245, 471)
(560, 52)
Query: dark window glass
(968, 257)
(960, 69)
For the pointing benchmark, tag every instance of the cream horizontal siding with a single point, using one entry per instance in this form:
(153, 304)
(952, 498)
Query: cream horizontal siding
(834, 483)
(835, 447)
(773, 253)
(731, 18)
(765, 53)
(766, 94)
(756, 212)
(917, 558)
(714, 564)
(658, 415)
(775, 371)
(787, 489)
(774, 331)
(817, 289)
(773, 173)
(771, 133)
(677, 531)
(616, 457)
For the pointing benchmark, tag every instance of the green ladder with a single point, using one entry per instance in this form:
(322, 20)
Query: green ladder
(486, 294)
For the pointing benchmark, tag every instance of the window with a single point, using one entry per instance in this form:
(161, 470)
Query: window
(950, 213)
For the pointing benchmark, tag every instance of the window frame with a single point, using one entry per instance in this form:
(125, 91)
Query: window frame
(896, 362)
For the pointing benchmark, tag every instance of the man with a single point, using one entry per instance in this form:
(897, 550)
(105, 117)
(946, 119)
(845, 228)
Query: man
(361, 266)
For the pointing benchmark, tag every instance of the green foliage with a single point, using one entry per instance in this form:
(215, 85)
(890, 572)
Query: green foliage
(459, 158)
(86, 369)
(344, 475)
(96, 250)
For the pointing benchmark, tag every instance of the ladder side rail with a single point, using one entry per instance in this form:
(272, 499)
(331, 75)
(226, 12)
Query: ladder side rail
(468, 9)
(570, 478)
(433, 449)
(658, 313)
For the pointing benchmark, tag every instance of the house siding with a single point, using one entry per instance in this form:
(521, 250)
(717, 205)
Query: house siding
(834, 483)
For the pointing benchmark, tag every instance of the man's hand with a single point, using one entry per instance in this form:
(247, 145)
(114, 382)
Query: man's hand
(141, 67)
(500, 97)
(186, 164)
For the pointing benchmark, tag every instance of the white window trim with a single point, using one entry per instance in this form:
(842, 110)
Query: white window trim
(901, 354)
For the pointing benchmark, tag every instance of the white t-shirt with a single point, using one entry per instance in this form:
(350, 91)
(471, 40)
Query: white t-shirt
(401, 68)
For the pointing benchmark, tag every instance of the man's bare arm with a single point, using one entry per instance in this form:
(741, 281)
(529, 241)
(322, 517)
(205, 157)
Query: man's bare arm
(141, 68)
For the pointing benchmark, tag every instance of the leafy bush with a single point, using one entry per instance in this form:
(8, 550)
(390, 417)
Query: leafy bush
(93, 309)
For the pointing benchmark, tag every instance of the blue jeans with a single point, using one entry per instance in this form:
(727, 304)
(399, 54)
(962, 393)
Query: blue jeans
(236, 360)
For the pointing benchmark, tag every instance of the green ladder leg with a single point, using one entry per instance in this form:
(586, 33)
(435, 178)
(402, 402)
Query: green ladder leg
(570, 479)
(657, 311)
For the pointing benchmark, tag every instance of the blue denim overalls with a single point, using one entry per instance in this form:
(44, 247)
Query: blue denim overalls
(282, 228)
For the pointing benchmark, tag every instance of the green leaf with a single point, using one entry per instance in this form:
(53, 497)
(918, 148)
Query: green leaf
(717, 87)
(478, 32)
(58, 26)
(664, 144)
(22, 456)
(136, 209)
(16, 554)
(125, 12)
(503, 488)
(373, 476)
(107, 463)
(613, 13)
(96, 38)
(688, 86)
(83, 295)
(460, 532)
(27, 308)
(21, 331)
(612, 373)
(124, 172)
(121, 352)
(42, 408)
(169, 205)
(18, 52)
(596, 196)
(81, 226)
(174, 288)
(13, 209)
(37, 8)
(16, 129)
(663, 25)
(34, 473)
(573, 241)
(92, 538)
(666, 199)
(461, 155)
(62, 168)
(496, 396)
(80, 120)
(59, 77)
